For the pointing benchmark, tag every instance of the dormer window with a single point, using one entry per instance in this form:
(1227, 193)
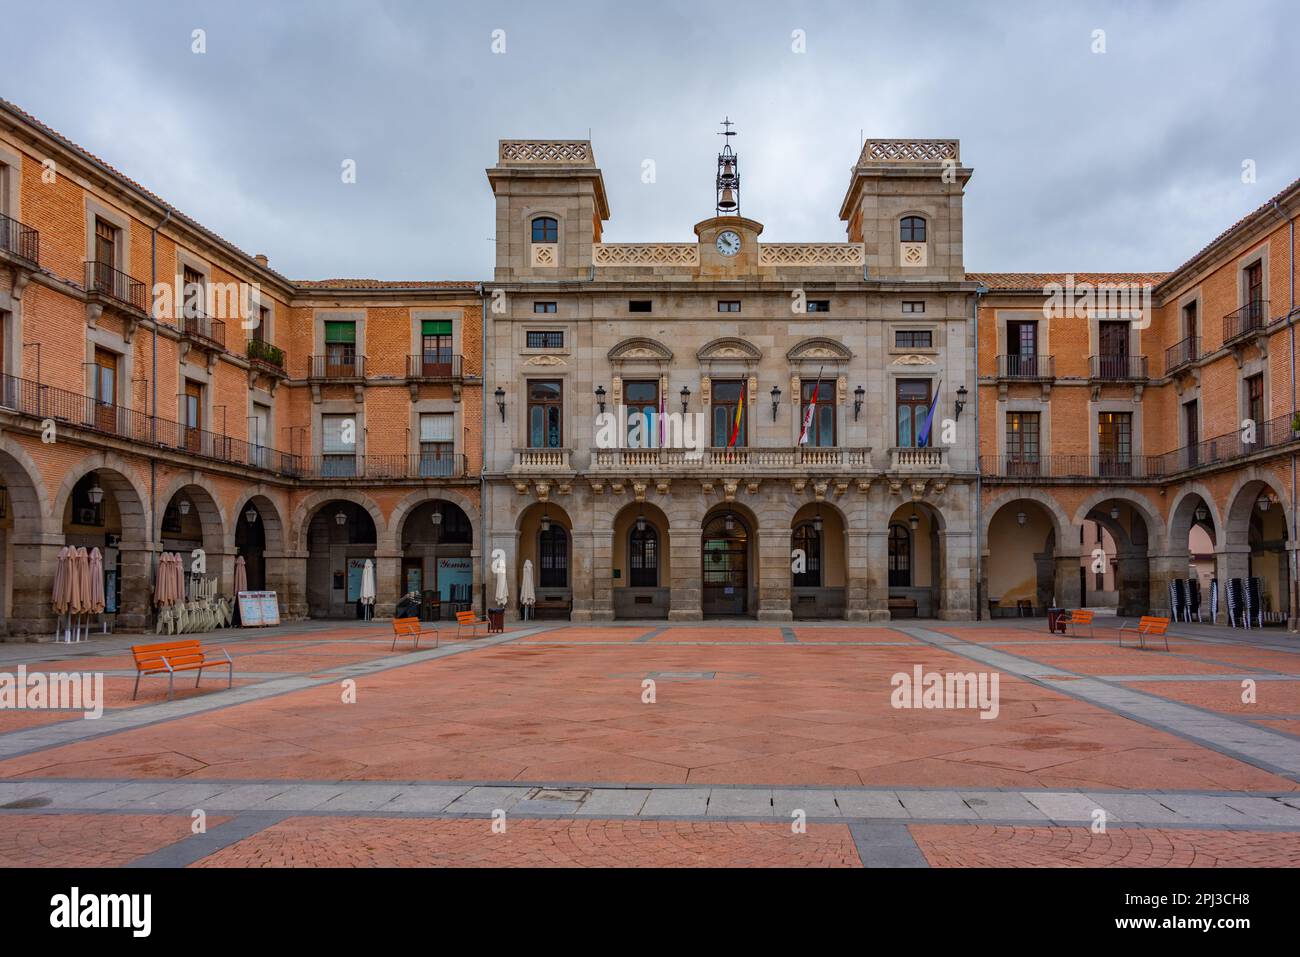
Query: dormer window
(546, 230)
(912, 229)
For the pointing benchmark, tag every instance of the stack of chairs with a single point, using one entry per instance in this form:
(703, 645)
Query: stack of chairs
(202, 611)
(1193, 598)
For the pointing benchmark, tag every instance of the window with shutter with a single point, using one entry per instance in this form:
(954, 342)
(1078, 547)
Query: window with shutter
(338, 446)
(437, 444)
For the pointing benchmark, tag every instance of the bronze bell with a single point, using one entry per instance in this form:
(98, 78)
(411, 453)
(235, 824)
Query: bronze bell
(728, 200)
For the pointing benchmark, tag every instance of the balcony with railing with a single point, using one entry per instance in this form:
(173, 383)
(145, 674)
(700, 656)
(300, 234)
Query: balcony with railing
(19, 241)
(1274, 434)
(370, 468)
(1246, 321)
(1027, 367)
(1032, 467)
(919, 460)
(115, 288)
(744, 461)
(542, 460)
(266, 357)
(336, 367)
(1117, 368)
(1182, 354)
(203, 330)
(434, 367)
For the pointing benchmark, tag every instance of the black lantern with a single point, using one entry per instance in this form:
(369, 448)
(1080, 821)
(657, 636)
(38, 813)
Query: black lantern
(686, 398)
(501, 402)
(859, 394)
(600, 397)
(776, 400)
(914, 520)
(961, 400)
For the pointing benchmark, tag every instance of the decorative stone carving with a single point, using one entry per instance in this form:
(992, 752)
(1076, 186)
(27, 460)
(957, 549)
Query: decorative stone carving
(544, 360)
(752, 486)
(729, 347)
(811, 254)
(819, 491)
(543, 491)
(913, 359)
(729, 490)
(545, 151)
(646, 254)
(638, 491)
(909, 151)
(640, 348)
(544, 255)
(819, 348)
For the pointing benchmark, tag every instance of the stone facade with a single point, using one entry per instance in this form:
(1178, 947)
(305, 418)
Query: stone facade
(601, 316)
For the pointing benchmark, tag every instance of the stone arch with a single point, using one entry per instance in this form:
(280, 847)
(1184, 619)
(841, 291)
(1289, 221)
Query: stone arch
(27, 565)
(1155, 524)
(120, 479)
(268, 514)
(1241, 499)
(729, 347)
(1242, 557)
(313, 503)
(403, 509)
(28, 499)
(715, 599)
(1182, 513)
(211, 516)
(1027, 564)
(819, 347)
(1060, 519)
(632, 597)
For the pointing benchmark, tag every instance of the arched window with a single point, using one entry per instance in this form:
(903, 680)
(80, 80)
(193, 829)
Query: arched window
(809, 540)
(643, 557)
(553, 557)
(912, 229)
(900, 556)
(546, 230)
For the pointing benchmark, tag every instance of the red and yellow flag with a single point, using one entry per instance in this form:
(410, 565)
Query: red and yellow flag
(735, 426)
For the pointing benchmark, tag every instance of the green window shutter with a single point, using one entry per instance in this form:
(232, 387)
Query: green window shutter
(435, 327)
(341, 332)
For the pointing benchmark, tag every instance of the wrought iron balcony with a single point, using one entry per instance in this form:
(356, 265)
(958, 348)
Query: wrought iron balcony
(1030, 466)
(434, 366)
(1182, 353)
(428, 465)
(1117, 368)
(1029, 367)
(20, 241)
(339, 366)
(120, 289)
(1249, 319)
(204, 329)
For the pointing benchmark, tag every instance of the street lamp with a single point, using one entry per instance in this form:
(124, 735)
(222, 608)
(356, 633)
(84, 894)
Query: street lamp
(914, 520)
(859, 394)
(341, 518)
(1021, 518)
(961, 401)
(501, 402)
(776, 400)
(600, 397)
(251, 516)
(95, 493)
(184, 506)
(686, 398)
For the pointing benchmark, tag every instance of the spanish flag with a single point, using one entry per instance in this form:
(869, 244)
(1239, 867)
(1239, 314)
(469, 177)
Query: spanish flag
(740, 414)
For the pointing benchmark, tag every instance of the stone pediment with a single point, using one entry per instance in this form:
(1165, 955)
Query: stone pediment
(729, 347)
(641, 349)
(819, 348)
(914, 360)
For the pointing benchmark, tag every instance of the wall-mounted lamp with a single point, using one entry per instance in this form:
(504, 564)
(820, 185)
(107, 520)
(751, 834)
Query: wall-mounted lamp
(859, 395)
(341, 517)
(686, 398)
(501, 402)
(251, 516)
(961, 400)
(546, 520)
(640, 523)
(436, 517)
(600, 398)
(817, 521)
(1114, 512)
(914, 520)
(95, 494)
(1265, 502)
(776, 400)
(1021, 518)
(729, 523)
(184, 506)
(1202, 513)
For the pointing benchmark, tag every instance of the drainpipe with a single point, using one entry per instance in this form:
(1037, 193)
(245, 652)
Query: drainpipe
(1293, 617)
(153, 396)
(485, 557)
(979, 474)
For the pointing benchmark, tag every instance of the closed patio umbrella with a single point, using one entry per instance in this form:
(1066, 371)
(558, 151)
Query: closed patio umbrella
(162, 582)
(527, 594)
(59, 593)
(79, 600)
(368, 588)
(241, 575)
(502, 596)
(96, 582)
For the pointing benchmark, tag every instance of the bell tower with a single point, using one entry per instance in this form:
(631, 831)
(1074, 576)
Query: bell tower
(727, 189)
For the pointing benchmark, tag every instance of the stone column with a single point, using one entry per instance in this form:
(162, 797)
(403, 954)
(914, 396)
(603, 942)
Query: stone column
(293, 599)
(875, 545)
(1133, 571)
(1066, 592)
(1163, 570)
(685, 602)
(602, 570)
(507, 542)
(137, 589)
(581, 574)
(388, 582)
(774, 574)
(857, 575)
(959, 576)
(476, 589)
(31, 613)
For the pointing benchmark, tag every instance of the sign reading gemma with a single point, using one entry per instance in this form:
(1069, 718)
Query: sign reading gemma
(258, 609)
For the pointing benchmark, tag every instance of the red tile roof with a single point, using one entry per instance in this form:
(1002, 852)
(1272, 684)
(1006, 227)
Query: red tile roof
(1004, 281)
(467, 284)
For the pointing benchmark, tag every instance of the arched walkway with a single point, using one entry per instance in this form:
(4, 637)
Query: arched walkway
(1257, 543)
(642, 562)
(27, 553)
(546, 540)
(340, 536)
(818, 562)
(729, 551)
(437, 556)
(1024, 567)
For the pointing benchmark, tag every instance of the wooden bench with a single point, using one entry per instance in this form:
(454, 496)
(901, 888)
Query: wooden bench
(1076, 618)
(170, 657)
(1149, 626)
(467, 619)
(410, 628)
(554, 603)
(900, 604)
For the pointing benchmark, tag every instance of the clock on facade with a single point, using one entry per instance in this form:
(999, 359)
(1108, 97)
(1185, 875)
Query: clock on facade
(728, 243)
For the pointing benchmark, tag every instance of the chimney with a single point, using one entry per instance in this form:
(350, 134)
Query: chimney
(261, 260)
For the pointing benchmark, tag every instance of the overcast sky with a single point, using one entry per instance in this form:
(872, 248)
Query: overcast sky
(1129, 159)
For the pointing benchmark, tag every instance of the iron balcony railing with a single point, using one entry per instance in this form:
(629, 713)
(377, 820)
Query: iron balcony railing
(433, 365)
(339, 365)
(1117, 368)
(104, 280)
(371, 467)
(1030, 466)
(209, 331)
(1182, 353)
(1250, 318)
(20, 240)
(1267, 435)
(1026, 367)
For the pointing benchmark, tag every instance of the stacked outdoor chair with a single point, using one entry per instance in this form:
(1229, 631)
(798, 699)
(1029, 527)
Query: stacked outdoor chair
(1193, 598)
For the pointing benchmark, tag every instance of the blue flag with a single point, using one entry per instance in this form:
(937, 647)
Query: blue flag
(923, 433)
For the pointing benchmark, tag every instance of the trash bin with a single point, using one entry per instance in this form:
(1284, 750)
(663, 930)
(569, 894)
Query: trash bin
(1053, 620)
(496, 620)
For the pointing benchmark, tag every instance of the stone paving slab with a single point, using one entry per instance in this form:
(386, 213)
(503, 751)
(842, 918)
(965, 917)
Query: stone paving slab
(1001, 806)
(674, 802)
(747, 802)
(615, 802)
(816, 802)
(485, 800)
(870, 804)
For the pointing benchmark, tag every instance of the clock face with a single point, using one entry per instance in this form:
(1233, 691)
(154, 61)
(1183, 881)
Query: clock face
(728, 243)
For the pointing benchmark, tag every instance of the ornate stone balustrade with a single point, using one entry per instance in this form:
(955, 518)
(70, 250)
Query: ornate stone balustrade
(559, 152)
(646, 254)
(811, 254)
(909, 151)
(542, 460)
(742, 461)
(932, 459)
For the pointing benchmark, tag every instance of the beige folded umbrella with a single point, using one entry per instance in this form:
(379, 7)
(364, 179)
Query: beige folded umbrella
(59, 593)
(96, 582)
(79, 597)
(162, 582)
(241, 575)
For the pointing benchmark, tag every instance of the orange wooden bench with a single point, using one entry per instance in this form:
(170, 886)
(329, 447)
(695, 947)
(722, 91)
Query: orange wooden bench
(410, 628)
(467, 619)
(1074, 619)
(1149, 626)
(170, 657)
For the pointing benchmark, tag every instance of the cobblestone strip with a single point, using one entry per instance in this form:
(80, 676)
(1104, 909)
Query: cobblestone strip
(1235, 738)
